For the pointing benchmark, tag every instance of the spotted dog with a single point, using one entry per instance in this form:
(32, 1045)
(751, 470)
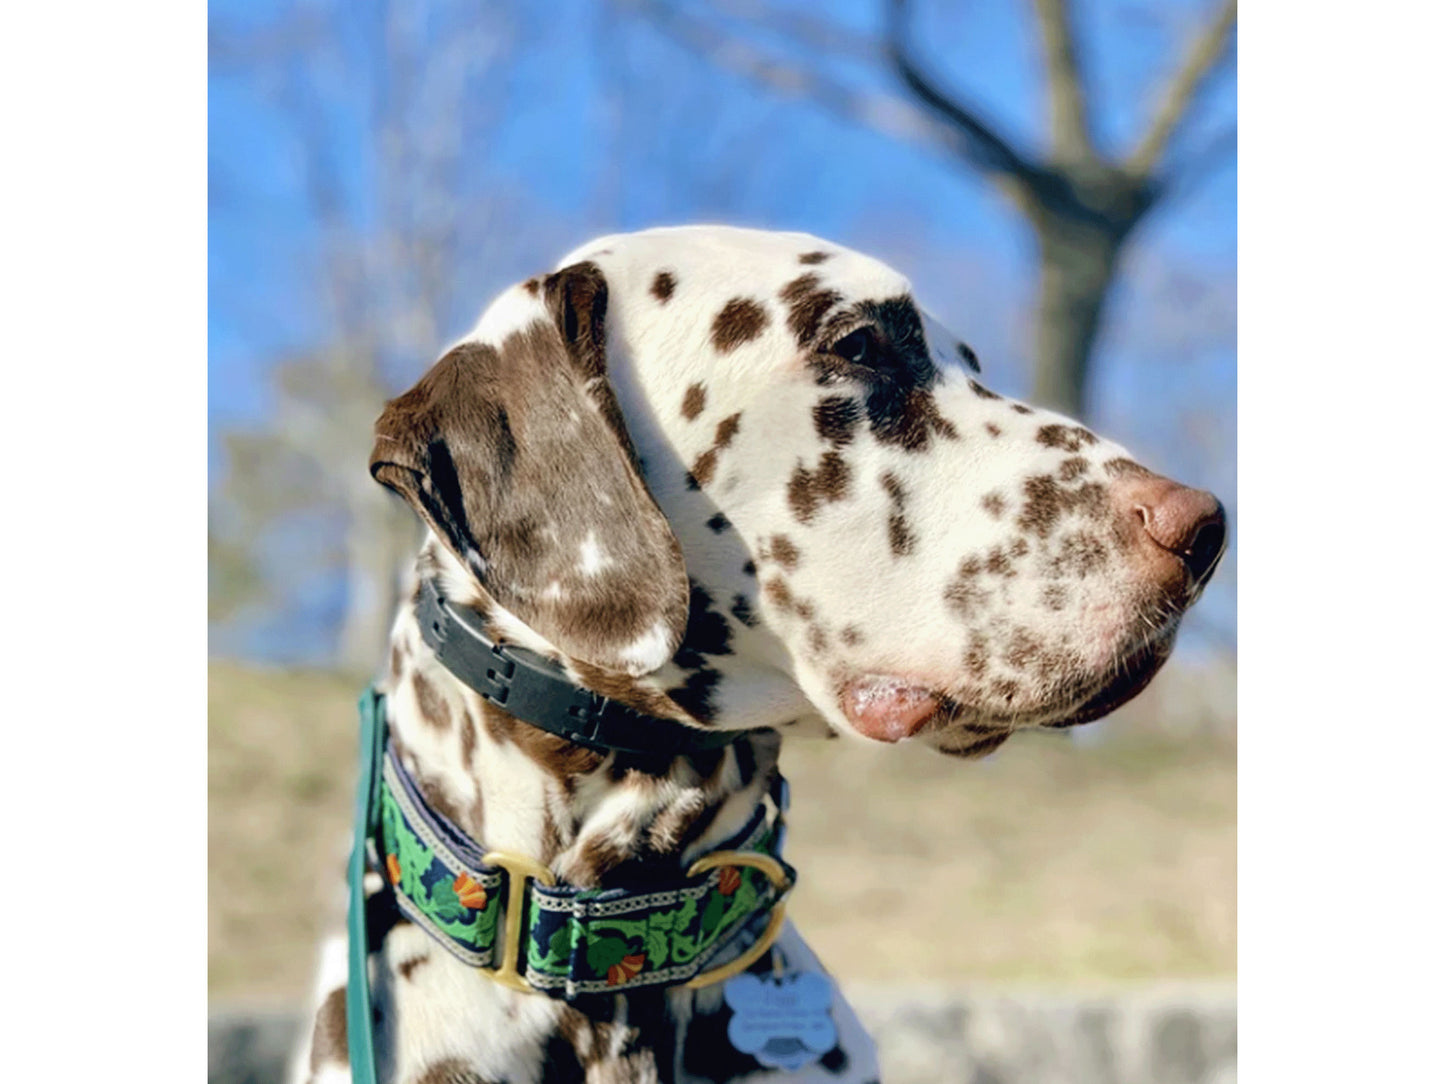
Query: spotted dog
(740, 480)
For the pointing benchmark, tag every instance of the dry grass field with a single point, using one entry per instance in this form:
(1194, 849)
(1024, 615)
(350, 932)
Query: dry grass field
(1055, 862)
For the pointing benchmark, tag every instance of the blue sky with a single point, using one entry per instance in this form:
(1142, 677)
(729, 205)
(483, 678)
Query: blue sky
(603, 124)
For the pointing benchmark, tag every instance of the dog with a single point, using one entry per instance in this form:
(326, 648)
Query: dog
(737, 481)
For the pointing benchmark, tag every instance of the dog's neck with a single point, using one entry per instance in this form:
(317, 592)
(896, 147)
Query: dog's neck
(511, 786)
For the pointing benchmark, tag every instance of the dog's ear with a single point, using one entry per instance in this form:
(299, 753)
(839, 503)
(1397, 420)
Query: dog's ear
(518, 457)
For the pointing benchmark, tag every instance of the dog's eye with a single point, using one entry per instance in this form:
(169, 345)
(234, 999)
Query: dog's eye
(858, 347)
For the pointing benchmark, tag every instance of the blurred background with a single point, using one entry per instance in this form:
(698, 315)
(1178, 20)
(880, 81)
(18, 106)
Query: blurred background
(1057, 179)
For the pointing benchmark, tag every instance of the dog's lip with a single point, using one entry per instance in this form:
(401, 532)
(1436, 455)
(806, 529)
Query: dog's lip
(888, 707)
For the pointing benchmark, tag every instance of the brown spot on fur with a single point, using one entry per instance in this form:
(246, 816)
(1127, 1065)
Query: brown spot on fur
(969, 357)
(807, 304)
(964, 595)
(1120, 467)
(532, 285)
(835, 418)
(693, 401)
(982, 392)
(328, 1038)
(997, 564)
(397, 662)
(449, 1071)
(1068, 437)
(1072, 468)
(901, 539)
(741, 320)
(1092, 499)
(431, 705)
(817, 638)
(601, 853)
(784, 552)
(663, 283)
(1054, 598)
(1045, 502)
(410, 964)
(726, 430)
(1080, 554)
(850, 635)
(813, 257)
(562, 759)
(828, 482)
(993, 504)
(893, 487)
(1020, 408)
(625, 690)
(1022, 649)
(913, 424)
(992, 430)
(702, 471)
(975, 659)
(1042, 505)
(469, 741)
(804, 609)
(551, 844)
(776, 592)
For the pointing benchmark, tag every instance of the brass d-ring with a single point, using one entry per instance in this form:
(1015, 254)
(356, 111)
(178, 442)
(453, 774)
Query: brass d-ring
(521, 869)
(775, 873)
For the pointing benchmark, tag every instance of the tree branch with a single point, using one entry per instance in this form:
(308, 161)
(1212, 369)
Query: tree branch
(1204, 54)
(1068, 109)
(821, 35)
(1179, 180)
(889, 116)
(980, 143)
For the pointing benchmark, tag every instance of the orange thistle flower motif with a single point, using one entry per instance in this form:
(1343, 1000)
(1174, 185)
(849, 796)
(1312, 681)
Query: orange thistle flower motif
(469, 892)
(393, 869)
(729, 880)
(629, 968)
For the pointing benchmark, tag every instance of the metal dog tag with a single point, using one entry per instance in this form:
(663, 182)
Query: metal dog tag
(784, 1020)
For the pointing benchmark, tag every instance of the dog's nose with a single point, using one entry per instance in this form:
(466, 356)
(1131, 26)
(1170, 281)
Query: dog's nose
(1189, 523)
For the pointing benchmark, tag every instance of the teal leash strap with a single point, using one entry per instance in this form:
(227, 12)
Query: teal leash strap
(361, 1053)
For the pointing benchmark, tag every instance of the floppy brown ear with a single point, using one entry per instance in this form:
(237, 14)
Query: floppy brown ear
(517, 457)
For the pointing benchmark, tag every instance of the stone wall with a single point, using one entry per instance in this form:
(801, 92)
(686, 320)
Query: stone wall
(1159, 1035)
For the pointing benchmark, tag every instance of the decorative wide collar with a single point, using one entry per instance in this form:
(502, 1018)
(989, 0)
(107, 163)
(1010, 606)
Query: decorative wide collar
(507, 915)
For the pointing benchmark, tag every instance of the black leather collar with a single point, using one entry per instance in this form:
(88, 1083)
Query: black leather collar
(535, 689)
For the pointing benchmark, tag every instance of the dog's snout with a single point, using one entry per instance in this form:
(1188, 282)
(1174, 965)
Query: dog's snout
(1188, 523)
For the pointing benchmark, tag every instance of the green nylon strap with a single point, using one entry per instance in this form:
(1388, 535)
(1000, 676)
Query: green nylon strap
(362, 1055)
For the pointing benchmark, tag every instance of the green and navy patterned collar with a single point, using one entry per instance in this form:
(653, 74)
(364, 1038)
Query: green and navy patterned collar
(506, 915)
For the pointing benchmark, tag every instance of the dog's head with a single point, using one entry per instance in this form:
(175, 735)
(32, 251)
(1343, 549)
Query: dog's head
(746, 470)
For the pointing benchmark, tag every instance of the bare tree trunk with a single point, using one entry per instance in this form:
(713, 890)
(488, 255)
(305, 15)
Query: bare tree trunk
(1077, 260)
